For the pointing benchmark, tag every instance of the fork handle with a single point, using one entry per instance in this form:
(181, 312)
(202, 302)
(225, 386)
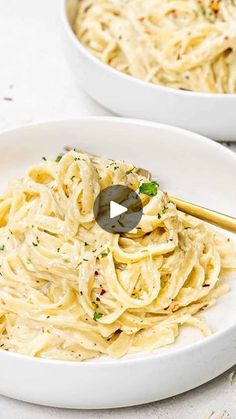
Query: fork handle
(221, 220)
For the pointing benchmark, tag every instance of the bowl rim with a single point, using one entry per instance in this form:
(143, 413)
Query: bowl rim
(128, 78)
(147, 356)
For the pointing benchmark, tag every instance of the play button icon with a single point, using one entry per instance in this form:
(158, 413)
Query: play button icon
(118, 209)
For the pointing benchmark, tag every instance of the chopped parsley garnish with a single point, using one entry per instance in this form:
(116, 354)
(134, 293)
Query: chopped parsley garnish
(86, 244)
(66, 260)
(106, 253)
(121, 224)
(44, 158)
(150, 188)
(2, 247)
(96, 316)
(116, 167)
(129, 171)
(35, 244)
(58, 158)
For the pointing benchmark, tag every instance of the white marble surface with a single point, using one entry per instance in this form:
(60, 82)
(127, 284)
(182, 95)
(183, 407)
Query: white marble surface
(37, 85)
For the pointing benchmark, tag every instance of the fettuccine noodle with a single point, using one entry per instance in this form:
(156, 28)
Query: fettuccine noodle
(71, 291)
(184, 44)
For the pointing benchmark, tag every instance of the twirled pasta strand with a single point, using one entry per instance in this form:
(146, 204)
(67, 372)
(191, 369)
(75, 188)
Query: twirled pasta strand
(69, 290)
(184, 44)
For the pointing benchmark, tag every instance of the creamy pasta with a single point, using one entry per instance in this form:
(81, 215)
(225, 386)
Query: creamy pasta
(184, 44)
(69, 290)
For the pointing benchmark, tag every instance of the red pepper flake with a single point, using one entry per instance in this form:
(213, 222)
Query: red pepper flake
(98, 299)
(102, 292)
(9, 99)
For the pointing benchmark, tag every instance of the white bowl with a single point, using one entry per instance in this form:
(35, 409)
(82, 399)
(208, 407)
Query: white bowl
(212, 115)
(184, 163)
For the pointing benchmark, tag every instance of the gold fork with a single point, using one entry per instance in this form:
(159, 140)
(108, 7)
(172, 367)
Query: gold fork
(213, 217)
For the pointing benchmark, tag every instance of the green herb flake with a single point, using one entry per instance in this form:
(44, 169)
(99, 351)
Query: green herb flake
(44, 158)
(106, 253)
(128, 172)
(150, 188)
(97, 316)
(35, 244)
(121, 224)
(58, 158)
(78, 264)
(2, 247)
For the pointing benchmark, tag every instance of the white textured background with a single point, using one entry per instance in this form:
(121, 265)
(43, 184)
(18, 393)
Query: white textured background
(36, 85)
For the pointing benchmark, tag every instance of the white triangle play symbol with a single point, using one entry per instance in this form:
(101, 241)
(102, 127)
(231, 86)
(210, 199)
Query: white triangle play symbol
(116, 209)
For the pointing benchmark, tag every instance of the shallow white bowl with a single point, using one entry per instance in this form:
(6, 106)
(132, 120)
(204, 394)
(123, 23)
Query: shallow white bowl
(187, 165)
(212, 115)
